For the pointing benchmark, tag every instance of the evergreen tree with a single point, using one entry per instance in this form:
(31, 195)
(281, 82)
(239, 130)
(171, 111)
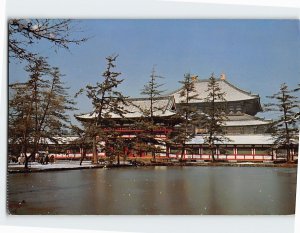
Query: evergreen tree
(38, 108)
(215, 115)
(20, 120)
(285, 127)
(83, 141)
(115, 146)
(152, 90)
(146, 140)
(107, 101)
(188, 114)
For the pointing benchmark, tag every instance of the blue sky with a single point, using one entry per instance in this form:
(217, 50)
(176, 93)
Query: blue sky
(255, 55)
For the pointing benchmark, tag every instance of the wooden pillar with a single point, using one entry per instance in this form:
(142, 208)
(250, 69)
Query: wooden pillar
(234, 151)
(274, 154)
(253, 151)
(168, 151)
(200, 152)
(80, 150)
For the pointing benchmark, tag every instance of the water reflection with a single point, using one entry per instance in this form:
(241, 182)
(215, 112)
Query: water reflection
(155, 190)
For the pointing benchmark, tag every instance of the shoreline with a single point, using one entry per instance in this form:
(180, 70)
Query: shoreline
(165, 164)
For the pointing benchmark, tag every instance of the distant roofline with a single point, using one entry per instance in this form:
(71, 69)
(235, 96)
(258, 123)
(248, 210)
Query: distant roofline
(171, 100)
(78, 116)
(147, 98)
(218, 79)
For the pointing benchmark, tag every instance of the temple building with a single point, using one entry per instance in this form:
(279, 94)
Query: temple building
(164, 108)
(249, 136)
(241, 107)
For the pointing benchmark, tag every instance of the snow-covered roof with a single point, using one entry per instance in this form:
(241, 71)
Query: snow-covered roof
(257, 139)
(246, 122)
(163, 107)
(60, 140)
(232, 92)
(241, 117)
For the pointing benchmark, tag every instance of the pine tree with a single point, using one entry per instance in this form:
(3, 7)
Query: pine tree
(146, 140)
(83, 141)
(20, 121)
(115, 146)
(106, 100)
(152, 90)
(188, 114)
(285, 127)
(213, 120)
(38, 108)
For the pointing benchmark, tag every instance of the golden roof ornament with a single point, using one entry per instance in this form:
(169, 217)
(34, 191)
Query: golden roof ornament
(194, 78)
(223, 77)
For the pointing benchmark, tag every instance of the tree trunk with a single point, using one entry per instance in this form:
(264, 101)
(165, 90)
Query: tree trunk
(26, 162)
(153, 156)
(288, 155)
(24, 152)
(182, 151)
(95, 155)
(83, 155)
(213, 155)
(32, 155)
(167, 151)
(27, 158)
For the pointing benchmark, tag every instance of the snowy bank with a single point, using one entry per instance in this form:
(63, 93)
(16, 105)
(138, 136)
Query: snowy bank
(59, 165)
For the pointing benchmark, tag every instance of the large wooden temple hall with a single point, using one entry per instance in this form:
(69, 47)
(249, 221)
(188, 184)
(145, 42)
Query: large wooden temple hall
(250, 137)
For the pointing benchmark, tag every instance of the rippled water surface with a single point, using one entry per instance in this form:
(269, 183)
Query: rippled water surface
(155, 190)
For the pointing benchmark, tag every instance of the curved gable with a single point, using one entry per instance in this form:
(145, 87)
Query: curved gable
(233, 93)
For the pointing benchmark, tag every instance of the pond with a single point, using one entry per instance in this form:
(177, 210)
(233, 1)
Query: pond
(155, 191)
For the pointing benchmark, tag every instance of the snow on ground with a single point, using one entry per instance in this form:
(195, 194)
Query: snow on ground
(246, 163)
(57, 164)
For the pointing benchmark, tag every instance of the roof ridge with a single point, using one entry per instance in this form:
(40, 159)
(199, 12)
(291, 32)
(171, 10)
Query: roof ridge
(147, 98)
(178, 89)
(251, 118)
(219, 80)
(204, 80)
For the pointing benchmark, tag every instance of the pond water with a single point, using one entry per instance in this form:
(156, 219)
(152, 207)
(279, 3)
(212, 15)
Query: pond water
(155, 191)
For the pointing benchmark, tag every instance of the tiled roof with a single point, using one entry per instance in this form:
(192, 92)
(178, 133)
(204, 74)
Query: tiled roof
(257, 139)
(245, 119)
(163, 106)
(232, 92)
(243, 123)
(241, 117)
(60, 140)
